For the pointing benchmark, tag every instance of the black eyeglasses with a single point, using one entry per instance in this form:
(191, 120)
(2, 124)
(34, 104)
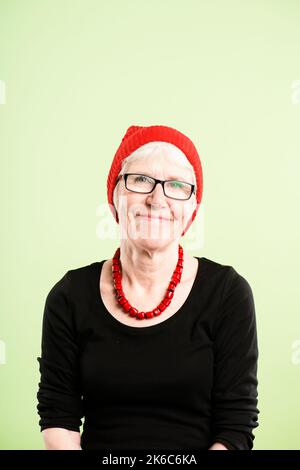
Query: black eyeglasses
(174, 189)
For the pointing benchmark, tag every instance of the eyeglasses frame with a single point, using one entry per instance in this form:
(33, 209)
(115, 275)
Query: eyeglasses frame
(157, 181)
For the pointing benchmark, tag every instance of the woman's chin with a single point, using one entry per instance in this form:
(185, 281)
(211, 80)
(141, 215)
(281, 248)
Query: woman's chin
(152, 244)
(155, 237)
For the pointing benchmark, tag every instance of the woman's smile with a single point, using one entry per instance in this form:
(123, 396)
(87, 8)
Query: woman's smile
(149, 217)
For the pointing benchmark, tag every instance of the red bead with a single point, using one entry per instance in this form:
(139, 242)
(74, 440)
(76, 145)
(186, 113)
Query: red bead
(156, 311)
(122, 301)
(141, 315)
(162, 306)
(178, 270)
(133, 312)
(169, 294)
(167, 302)
(126, 306)
(149, 314)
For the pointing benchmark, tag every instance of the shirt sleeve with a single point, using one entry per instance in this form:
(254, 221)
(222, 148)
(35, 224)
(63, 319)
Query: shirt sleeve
(234, 395)
(59, 391)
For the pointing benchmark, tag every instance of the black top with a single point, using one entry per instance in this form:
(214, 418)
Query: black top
(184, 383)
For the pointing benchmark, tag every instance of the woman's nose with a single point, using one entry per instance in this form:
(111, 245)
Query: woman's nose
(157, 194)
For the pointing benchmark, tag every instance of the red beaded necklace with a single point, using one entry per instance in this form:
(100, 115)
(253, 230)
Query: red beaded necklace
(133, 312)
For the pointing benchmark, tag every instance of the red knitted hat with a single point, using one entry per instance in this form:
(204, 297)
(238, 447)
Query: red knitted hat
(135, 137)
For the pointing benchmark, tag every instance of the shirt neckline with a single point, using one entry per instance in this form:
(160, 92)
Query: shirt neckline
(144, 329)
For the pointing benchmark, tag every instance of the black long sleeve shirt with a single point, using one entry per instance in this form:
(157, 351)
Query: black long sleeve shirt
(186, 382)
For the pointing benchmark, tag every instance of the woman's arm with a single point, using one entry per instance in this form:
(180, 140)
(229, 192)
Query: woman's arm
(234, 394)
(61, 439)
(60, 401)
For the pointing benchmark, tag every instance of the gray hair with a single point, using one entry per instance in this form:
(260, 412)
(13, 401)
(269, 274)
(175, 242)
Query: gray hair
(151, 147)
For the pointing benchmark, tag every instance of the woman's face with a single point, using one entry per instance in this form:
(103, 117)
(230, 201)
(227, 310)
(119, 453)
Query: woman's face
(134, 208)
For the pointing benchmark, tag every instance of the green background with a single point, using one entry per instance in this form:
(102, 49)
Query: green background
(77, 74)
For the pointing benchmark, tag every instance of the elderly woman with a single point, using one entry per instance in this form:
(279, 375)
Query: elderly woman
(154, 348)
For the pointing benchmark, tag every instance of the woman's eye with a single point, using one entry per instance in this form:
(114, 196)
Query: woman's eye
(176, 184)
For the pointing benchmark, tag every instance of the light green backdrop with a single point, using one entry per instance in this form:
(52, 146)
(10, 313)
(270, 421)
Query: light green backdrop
(74, 76)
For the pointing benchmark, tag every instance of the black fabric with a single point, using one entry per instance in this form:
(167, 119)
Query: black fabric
(186, 382)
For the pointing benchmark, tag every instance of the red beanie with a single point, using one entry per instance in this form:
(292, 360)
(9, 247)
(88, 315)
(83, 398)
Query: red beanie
(135, 137)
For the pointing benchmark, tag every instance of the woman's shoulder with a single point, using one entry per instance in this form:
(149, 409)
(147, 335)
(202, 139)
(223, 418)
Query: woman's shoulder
(75, 279)
(84, 270)
(232, 278)
(214, 268)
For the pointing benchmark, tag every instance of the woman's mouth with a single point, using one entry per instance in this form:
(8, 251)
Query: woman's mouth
(149, 217)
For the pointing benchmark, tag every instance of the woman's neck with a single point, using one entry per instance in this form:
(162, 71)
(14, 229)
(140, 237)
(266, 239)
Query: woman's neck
(144, 269)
